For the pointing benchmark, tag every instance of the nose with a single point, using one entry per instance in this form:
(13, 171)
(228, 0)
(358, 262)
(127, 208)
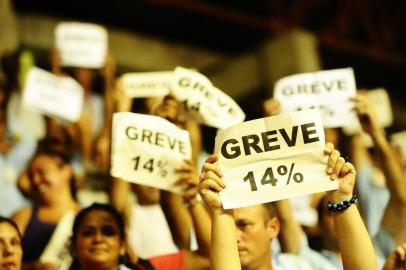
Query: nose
(98, 237)
(7, 249)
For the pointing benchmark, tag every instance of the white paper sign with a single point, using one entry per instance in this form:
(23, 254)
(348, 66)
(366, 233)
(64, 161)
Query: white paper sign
(399, 140)
(328, 90)
(273, 158)
(207, 103)
(52, 95)
(146, 149)
(57, 249)
(146, 84)
(81, 44)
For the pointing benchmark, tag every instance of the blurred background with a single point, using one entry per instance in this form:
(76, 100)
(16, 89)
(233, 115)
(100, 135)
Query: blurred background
(242, 46)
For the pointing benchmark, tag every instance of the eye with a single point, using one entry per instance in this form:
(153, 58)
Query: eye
(15, 242)
(86, 232)
(109, 231)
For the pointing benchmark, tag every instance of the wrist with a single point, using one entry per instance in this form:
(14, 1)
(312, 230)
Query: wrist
(341, 205)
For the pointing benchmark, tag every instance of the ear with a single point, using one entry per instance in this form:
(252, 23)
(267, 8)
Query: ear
(273, 227)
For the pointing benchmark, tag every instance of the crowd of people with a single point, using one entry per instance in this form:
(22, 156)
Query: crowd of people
(53, 171)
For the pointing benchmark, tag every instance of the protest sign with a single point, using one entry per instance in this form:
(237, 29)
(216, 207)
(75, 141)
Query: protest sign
(207, 103)
(52, 95)
(57, 250)
(328, 90)
(146, 84)
(273, 158)
(146, 149)
(81, 44)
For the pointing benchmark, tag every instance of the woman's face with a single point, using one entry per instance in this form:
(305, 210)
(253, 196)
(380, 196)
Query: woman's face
(48, 176)
(98, 241)
(11, 252)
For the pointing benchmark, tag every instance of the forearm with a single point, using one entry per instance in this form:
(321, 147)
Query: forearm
(202, 226)
(393, 170)
(119, 192)
(355, 244)
(178, 218)
(224, 251)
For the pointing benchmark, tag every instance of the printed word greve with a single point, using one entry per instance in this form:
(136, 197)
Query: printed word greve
(155, 138)
(186, 82)
(315, 88)
(267, 141)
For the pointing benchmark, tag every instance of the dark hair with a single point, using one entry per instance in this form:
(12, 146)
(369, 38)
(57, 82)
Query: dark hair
(118, 218)
(50, 148)
(80, 217)
(12, 223)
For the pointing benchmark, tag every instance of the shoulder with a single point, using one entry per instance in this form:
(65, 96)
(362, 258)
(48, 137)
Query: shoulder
(22, 217)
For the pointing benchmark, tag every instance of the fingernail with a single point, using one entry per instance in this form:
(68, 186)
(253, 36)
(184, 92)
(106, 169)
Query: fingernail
(201, 177)
(329, 170)
(333, 177)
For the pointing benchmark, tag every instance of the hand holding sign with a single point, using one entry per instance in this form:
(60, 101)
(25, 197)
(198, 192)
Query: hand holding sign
(212, 182)
(339, 169)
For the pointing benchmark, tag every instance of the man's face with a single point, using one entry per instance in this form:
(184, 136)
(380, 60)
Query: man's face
(254, 233)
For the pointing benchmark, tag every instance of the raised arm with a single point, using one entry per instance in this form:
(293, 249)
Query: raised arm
(355, 245)
(395, 212)
(224, 251)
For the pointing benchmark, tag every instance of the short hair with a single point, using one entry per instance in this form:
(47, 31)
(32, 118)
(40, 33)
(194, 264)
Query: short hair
(12, 223)
(269, 210)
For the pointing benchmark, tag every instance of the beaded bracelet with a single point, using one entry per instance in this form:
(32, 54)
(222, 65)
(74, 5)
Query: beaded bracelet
(337, 207)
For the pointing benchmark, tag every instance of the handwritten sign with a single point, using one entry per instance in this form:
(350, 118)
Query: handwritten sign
(207, 103)
(52, 95)
(146, 150)
(273, 158)
(146, 84)
(81, 44)
(328, 90)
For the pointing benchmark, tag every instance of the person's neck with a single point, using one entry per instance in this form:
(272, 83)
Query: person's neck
(264, 264)
(62, 201)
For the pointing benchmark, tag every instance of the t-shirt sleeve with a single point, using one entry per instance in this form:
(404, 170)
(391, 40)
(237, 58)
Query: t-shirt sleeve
(175, 261)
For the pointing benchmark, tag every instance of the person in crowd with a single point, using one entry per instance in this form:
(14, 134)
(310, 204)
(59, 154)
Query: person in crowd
(99, 242)
(52, 189)
(11, 252)
(392, 208)
(17, 146)
(240, 239)
(161, 209)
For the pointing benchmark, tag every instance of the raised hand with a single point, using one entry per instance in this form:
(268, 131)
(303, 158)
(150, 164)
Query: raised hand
(344, 172)
(211, 184)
